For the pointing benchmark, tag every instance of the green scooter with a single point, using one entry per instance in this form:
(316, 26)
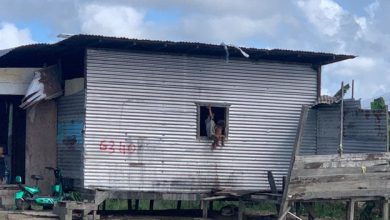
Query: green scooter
(30, 194)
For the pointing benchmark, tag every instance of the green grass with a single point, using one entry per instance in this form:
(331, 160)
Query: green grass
(117, 204)
(334, 210)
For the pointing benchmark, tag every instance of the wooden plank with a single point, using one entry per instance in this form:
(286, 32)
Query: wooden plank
(338, 164)
(214, 198)
(15, 81)
(348, 184)
(342, 195)
(345, 157)
(298, 140)
(338, 171)
(327, 179)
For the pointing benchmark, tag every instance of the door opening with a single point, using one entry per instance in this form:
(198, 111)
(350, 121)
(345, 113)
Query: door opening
(12, 139)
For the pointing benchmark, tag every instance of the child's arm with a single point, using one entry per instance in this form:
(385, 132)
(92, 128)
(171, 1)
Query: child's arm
(210, 112)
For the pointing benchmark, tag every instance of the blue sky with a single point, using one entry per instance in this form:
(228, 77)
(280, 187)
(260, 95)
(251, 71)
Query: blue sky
(357, 27)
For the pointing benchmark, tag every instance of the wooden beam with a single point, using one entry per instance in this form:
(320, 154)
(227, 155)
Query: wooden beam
(298, 141)
(214, 198)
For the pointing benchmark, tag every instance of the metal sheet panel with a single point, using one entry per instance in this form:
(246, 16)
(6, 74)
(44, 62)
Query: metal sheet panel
(70, 137)
(365, 131)
(309, 140)
(141, 121)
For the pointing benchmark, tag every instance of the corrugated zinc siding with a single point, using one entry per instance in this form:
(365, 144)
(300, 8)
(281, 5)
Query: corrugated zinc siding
(141, 121)
(70, 137)
(364, 131)
(309, 140)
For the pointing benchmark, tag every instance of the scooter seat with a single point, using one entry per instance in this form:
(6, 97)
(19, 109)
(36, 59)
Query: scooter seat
(36, 177)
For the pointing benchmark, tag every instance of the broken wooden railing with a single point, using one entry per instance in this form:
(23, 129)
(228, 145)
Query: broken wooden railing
(347, 177)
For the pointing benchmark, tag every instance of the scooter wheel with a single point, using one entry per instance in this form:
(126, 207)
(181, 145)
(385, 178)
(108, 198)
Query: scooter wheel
(22, 204)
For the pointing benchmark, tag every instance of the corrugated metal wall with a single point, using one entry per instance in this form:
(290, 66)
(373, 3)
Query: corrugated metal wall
(70, 137)
(309, 140)
(365, 131)
(141, 121)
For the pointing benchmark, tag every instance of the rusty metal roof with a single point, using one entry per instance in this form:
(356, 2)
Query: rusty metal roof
(37, 55)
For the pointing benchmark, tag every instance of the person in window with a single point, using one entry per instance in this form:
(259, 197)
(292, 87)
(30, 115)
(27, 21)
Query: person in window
(215, 131)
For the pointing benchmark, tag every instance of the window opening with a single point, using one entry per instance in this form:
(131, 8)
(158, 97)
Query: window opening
(220, 122)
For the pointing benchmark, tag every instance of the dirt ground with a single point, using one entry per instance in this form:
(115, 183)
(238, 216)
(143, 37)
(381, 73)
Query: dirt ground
(47, 215)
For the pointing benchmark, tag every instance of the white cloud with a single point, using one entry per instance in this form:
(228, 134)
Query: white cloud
(326, 15)
(314, 25)
(229, 28)
(111, 20)
(11, 36)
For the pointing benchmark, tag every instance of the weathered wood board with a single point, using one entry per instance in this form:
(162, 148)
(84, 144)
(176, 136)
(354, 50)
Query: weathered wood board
(339, 177)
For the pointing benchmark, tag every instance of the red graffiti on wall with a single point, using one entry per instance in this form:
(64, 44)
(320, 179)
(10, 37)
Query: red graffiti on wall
(121, 147)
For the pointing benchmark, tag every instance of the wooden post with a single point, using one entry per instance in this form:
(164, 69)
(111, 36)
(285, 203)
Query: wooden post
(298, 209)
(136, 204)
(241, 208)
(151, 205)
(385, 209)
(178, 205)
(351, 209)
(274, 190)
(298, 140)
(104, 205)
(309, 206)
(341, 149)
(205, 207)
(129, 205)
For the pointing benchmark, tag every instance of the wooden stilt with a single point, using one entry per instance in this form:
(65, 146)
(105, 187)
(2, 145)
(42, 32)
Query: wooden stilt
(351, 209)
(129, 205)
(178, 205)
(241, 208)
(385, 209)
(205, 207)
(298, 209)
(136, 204)
(151, 205)
(310, 210)
(211, 206)
(104, 205)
